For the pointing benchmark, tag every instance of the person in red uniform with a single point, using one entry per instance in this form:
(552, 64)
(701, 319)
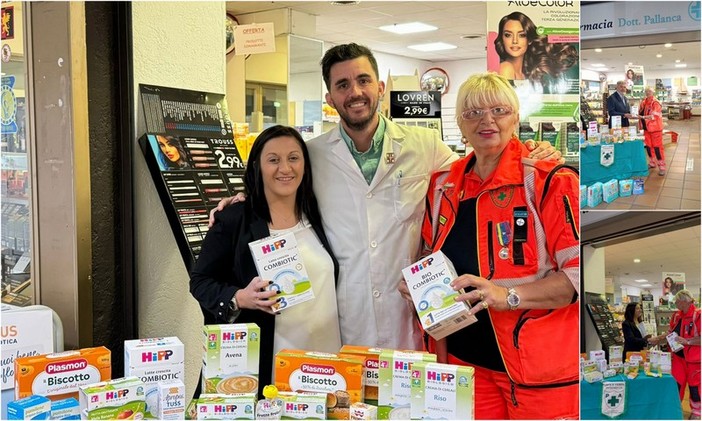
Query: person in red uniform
(510, 227)
(686, 362)
(652, 124)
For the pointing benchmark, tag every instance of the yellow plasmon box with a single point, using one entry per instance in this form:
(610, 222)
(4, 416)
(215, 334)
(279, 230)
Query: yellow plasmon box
(339, 376)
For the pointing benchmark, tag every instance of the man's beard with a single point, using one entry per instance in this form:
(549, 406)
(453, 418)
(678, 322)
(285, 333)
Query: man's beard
(361, 124)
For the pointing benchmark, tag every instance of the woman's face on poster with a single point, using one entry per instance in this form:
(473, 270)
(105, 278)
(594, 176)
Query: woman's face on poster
(169, 150)
(514, 38)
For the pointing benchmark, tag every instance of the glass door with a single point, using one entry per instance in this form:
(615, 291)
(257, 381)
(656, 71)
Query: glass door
(16, 237)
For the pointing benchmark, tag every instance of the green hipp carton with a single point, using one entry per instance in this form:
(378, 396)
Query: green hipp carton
(230, 358)
(394, 375)
(114, 399)
(442, 391)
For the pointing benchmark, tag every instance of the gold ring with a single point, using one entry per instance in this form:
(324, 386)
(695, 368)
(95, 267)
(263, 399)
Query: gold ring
(481, 296)
(485, 305)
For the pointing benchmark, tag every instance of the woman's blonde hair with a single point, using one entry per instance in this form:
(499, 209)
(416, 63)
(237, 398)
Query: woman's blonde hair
(483, 90)
(684, 295)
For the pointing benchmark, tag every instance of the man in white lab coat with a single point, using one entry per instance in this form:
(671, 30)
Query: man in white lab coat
(371, 178)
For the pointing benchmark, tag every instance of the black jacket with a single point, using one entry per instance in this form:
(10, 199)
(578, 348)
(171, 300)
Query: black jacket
(633, 340)
(615, 106)
(225, 265)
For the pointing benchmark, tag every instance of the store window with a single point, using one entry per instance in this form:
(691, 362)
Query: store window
(16, 238)
(266, 105)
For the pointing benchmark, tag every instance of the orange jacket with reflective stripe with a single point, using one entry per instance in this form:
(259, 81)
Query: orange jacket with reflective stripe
(651, 107)
(539, 201)
(689, 328)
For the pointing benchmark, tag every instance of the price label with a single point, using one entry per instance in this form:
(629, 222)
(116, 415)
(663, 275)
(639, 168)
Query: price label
(226, 161)
(415, 104)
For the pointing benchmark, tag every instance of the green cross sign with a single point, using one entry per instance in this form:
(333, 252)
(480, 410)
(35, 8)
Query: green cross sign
(502, 196)
(613, 401)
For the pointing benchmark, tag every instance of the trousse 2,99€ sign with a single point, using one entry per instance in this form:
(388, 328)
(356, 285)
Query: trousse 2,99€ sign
(415, 104)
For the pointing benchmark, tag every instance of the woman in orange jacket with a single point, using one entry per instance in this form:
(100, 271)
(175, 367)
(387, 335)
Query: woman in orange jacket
(652, 124)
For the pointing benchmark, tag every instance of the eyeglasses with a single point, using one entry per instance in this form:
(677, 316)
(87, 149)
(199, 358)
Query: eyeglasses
(497, 112)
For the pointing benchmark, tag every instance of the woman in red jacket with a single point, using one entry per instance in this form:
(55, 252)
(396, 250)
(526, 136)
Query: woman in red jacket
(652, 124)
(509, 225)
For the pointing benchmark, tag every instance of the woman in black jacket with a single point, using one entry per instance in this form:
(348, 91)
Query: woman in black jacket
(224, 280)
(633, 339)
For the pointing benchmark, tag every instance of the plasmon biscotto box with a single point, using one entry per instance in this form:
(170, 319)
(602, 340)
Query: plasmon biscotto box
(370, 370)
(278, 260)
(442, 392)
(117, 399)
(394, 375)
(60, 375)
(429, 283)
(339, 376)
(230, 358)
(154, 360)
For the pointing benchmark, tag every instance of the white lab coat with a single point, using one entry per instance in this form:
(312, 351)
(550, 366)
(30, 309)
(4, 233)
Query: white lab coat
(375, 231)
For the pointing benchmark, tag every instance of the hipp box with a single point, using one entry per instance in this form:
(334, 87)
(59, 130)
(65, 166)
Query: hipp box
(278, 259)
(154, 360)
(226, 407)
(429, 281)
(113, 399)
(339, 376)
(59, 376)
(370, 369)
(442, 392)
(230, 358)
(395, 382)
(34, 407)
(303, 405)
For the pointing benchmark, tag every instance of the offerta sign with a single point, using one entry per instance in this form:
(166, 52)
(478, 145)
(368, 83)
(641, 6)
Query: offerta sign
(255, 38)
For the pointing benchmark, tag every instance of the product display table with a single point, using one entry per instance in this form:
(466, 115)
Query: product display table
(629, 161)
(647, 398)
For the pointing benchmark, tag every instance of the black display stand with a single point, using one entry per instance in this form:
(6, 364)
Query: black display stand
(602, 318)
(193, 160)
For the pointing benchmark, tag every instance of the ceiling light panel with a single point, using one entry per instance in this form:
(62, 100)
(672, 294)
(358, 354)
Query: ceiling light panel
(408, 28)
(432, 46)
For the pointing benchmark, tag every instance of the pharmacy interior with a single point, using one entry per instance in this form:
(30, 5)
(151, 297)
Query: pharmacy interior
(632, 259)
(110, 267)
(649, 45)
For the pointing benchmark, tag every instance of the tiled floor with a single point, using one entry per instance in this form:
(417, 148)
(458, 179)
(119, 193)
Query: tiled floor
(680, 188)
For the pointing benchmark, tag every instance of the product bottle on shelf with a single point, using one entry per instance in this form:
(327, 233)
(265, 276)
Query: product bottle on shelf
(270, 408)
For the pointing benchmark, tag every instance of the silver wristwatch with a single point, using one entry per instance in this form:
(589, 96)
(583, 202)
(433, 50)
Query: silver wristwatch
(512, 299)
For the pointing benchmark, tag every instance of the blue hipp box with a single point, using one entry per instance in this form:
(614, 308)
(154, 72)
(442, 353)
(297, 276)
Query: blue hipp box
(65, 409)
(33, 407)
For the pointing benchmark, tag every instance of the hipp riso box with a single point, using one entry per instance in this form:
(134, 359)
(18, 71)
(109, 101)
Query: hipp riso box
(278, 259)
(394, 376)
(429, 283)
(154, 360)
(230, 358)
(442, 392)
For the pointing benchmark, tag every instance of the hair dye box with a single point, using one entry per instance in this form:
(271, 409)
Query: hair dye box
(339, 376)
(226, 407)
(278, 260)
(33, 407)
(370, 369)
(626, 187)
(394, 376)
(65, 409)
(154, 360)
(114, 399)
(429, 281)
(230, 358)
(442, 391)
(304, 405)
(60, 375)
(594, 194)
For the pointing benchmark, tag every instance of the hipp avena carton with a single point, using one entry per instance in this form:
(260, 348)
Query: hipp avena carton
(230, 358)
(278, 260)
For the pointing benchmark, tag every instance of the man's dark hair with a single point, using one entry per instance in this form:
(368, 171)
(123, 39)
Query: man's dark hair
(345, 52)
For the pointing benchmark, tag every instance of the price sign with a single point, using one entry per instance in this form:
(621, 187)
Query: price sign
(415, 104)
